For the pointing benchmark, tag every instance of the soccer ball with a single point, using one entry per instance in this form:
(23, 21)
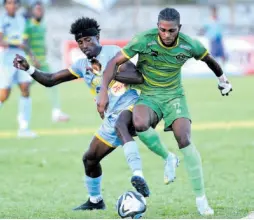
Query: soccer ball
(131, 205)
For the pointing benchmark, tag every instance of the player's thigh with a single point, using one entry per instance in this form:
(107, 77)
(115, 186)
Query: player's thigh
(173, 109)
(146, 113)
(97, 150)
(7, 76)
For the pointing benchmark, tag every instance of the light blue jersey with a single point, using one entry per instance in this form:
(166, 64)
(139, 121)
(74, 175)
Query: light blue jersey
(213, 31)
(121, 97)
(12, 29)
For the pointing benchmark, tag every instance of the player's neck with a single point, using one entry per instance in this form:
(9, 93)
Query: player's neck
(36, 20)
(98, 50)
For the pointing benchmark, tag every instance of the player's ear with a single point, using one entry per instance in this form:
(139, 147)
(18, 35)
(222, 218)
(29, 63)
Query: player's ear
(98, 37)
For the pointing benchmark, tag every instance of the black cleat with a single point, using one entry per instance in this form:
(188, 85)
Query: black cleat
(140, 185)
(91, 206)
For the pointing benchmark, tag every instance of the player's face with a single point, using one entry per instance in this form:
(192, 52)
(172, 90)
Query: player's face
(11, 7)
(168, 31)
(38, 12)
(89, 46)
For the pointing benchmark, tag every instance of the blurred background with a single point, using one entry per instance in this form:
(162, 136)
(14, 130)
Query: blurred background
(42, 178)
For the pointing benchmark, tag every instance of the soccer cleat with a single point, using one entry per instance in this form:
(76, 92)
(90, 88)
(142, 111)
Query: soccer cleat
(140, 185)
(59, 116)
(91, 206)
(26, 133)
(171, 163)
(203, 207)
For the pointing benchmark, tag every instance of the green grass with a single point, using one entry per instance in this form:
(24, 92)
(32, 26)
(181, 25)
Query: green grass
(43, 178)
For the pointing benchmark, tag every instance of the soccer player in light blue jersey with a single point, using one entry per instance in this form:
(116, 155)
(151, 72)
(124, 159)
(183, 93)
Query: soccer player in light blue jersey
(121, 100)
(213, 31)
(12, 27)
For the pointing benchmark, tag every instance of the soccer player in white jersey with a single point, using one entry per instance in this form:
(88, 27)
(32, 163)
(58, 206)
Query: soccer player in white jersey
(122, 98)
(12, 27)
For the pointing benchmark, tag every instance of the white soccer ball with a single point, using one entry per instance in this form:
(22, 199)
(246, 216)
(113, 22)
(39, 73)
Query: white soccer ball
(131, 205)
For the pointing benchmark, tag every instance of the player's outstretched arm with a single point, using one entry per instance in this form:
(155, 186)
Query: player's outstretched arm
(46, 79)
(108, 75)
(224, 86)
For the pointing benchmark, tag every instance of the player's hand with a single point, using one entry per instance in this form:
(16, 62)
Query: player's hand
(102, 102)
(20, 63)
(225, 88)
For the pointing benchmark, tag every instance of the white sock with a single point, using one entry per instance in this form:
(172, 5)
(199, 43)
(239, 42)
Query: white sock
(138, 173)
(95, 199)
(56, 112)
(0, 104)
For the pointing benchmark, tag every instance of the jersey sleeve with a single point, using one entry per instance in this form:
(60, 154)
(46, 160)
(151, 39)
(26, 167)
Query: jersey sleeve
(198, 50)
(135, 46)
(77, 67)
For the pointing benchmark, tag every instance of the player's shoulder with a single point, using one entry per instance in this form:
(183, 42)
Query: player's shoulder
(186, 40)
(81, 62)
(111, 47)
(147, 34)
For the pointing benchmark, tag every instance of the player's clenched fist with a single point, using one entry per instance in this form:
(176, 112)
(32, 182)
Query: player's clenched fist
(20, 63)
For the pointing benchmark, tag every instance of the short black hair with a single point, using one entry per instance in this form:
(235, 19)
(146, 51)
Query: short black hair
(17, 1)
(169, 14)
(83, 24)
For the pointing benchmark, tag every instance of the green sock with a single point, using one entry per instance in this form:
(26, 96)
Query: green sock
(152, 140)
(193, 165)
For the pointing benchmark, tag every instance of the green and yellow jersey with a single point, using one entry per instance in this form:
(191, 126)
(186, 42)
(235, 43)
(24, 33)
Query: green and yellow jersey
(35, 34)
(161, 65)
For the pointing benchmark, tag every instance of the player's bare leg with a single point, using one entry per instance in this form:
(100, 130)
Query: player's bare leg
(125, 131)
(4, 94)
(93, 174)
(25, 109)
(144, 120)
(182, 131)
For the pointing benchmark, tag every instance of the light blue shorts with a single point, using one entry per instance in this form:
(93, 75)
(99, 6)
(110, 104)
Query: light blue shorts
(9, 75)
(107, 132)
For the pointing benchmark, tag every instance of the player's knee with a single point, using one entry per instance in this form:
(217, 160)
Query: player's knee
(90, 160)
(4, 96)
(120, 127)
(140, 124)
(25, 92)
(184, 141)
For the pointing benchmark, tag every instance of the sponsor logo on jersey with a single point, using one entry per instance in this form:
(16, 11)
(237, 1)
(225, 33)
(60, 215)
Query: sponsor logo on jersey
(186, 47)
(152, 43)
(181, 57)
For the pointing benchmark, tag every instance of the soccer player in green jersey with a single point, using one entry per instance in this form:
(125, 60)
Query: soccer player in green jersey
(35, 35)
(162, 52)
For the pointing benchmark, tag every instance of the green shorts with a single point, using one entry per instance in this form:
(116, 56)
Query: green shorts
(167, 107)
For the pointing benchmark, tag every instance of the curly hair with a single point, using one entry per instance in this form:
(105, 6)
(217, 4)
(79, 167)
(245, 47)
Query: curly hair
(83, 24)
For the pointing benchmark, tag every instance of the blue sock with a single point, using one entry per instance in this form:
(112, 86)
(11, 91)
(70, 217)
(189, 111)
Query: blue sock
(25, 109)
(53, 93)
(94, 188)
(133, 157)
